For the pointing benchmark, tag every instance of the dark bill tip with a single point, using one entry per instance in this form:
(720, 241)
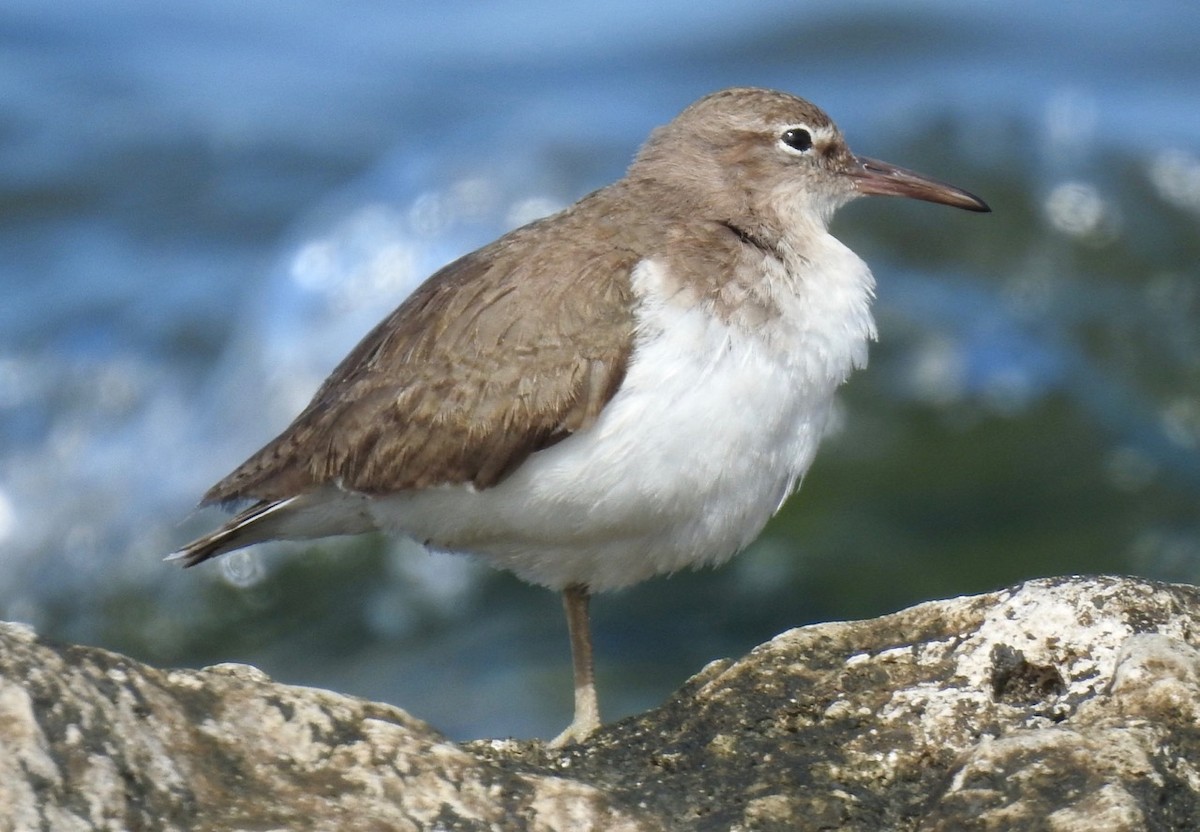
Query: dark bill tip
(877, 178)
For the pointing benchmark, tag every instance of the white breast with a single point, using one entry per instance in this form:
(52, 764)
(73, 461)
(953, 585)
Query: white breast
(710, 431)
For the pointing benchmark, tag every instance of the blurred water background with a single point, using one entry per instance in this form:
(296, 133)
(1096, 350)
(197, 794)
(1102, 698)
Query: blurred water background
(203, 206)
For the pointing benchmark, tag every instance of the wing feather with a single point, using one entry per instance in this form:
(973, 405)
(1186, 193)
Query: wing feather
(497, 356)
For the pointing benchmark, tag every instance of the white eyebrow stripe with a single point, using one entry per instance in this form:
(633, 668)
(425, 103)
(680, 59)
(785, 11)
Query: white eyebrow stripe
(823, 134)
(822, 137)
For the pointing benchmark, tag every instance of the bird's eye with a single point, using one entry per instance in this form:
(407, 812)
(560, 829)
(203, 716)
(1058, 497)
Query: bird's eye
(797, 138)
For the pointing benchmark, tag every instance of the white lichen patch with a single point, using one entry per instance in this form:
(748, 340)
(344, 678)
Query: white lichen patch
(1045, 625)
(237, 670)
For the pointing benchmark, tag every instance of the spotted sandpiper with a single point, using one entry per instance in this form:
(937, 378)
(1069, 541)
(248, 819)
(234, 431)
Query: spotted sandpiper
(623, 389)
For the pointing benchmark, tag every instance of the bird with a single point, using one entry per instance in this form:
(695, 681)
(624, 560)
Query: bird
(626, 388)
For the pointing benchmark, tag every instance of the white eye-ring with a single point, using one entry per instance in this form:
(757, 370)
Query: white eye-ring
(797, 139)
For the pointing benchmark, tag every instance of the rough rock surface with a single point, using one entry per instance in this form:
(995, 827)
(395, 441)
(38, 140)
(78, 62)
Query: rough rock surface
(1061, 704)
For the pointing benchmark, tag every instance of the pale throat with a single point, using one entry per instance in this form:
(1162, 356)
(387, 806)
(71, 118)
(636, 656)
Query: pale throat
(816, 293)
(824, 289)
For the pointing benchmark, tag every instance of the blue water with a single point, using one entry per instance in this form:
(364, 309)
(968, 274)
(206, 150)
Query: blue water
(205, 205)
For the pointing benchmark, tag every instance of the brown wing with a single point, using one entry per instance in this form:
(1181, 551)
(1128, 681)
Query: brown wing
(498, 355)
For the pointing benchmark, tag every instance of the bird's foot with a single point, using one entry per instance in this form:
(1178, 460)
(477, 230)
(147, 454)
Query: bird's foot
(578, 731)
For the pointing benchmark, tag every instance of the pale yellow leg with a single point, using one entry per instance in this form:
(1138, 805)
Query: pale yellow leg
(587, 706)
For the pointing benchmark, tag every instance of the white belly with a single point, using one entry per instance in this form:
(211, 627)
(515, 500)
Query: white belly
(712, 428)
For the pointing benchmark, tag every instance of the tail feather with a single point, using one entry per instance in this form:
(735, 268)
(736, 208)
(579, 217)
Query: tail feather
(246, 528)
(320, 513)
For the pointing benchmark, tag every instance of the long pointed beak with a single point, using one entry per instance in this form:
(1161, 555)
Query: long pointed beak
(874, 177)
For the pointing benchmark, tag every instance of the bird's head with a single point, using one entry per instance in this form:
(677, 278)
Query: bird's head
(773, 160)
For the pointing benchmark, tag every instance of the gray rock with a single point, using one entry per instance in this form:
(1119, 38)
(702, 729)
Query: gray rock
(1061, 704)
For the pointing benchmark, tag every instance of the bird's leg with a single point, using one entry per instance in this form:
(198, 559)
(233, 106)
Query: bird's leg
(587, 706)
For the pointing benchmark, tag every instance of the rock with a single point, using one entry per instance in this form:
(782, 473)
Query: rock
(1060, 704)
